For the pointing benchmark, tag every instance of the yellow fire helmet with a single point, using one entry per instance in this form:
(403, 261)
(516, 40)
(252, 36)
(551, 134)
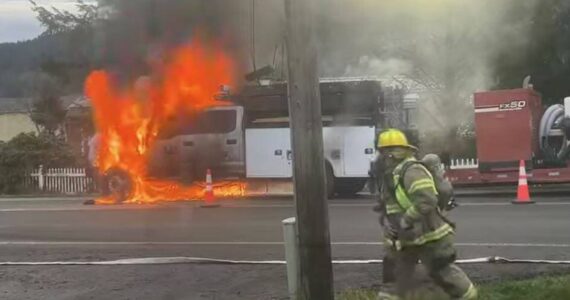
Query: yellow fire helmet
(393, 138)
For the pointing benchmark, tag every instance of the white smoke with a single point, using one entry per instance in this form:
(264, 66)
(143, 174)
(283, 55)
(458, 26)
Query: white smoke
(370, 66)
(448, 48)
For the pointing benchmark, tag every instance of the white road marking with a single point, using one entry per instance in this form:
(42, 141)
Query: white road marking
(47, 199)
(83, 208)
(372, 204)
(231, 206)
(520, 245)
(244, 243)
(190, 260)
(510, 204)
(292, 205)
(257, 205)
(202, 260)
(125, 243)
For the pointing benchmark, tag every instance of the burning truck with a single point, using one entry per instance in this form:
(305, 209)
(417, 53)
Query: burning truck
(159, 136)
(250, 139)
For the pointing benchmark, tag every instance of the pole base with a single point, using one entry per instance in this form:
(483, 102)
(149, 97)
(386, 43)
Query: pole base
(522, 202)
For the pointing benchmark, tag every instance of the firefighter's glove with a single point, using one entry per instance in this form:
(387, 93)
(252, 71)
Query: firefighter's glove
(405, 225)
(452, 204)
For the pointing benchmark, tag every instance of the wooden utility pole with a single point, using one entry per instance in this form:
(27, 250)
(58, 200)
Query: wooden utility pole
(316, 282)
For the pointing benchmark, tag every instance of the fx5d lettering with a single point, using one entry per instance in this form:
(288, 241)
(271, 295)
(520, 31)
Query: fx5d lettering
(513, 105)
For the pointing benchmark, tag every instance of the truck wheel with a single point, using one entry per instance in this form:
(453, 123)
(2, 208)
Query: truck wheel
(330, 181)
(349, 187)
(118, 185)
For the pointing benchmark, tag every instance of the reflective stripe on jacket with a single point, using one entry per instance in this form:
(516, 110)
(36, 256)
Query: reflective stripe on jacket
(416, 201)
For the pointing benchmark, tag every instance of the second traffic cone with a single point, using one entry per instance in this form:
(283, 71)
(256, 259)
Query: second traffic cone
(209, 197)
(523, 193)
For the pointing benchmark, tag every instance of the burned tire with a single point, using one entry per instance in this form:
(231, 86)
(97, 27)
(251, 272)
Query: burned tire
(117, 184)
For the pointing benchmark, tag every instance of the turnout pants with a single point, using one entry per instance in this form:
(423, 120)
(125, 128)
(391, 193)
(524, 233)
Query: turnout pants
(438, 259)
(389, 267)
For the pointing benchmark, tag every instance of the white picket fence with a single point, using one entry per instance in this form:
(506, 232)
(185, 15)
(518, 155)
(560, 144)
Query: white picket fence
(60, 180)
(464, 163)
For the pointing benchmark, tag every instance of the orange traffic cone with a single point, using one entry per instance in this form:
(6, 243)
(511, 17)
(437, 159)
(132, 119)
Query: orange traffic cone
(209, 198)
(523, 194)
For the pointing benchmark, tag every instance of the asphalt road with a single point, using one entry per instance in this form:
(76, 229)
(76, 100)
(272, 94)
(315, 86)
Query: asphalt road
(60, 230)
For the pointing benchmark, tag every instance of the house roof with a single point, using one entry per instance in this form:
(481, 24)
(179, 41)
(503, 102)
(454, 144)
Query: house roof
(14, 105)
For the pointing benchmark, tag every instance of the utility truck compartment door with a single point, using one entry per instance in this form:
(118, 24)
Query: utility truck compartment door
(358, 150)
(268, 153)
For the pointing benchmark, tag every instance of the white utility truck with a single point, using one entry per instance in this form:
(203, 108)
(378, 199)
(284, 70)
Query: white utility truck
(251, 139)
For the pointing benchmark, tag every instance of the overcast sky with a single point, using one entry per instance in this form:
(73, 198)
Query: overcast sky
(18, 22)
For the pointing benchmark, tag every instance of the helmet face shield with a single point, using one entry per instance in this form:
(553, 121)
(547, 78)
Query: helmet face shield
(392, 156)
(398, 153)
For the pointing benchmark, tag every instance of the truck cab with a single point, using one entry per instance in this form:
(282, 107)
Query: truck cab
(212, 139)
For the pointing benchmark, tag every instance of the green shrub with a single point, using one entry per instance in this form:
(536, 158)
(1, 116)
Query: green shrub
(26, 152)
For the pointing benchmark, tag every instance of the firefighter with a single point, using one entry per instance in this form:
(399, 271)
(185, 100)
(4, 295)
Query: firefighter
(418, 231)
(378, 174)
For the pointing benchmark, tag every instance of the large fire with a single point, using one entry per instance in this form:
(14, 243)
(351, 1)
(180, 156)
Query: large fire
(128, 119)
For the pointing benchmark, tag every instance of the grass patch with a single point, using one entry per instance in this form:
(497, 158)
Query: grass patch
(358, 295)
(542, 288)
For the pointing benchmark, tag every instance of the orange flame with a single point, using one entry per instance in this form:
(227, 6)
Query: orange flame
(128, 120)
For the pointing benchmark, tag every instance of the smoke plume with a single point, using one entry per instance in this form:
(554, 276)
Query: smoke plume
(444, 49)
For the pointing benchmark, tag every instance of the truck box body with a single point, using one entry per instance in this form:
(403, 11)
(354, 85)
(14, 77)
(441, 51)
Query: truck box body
(348, 150)
(251, 139)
